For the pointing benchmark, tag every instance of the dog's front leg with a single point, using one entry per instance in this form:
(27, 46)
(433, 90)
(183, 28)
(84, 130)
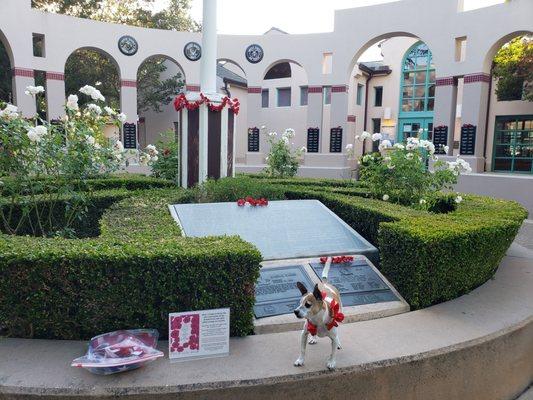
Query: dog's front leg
(303, 343)
(332, 362)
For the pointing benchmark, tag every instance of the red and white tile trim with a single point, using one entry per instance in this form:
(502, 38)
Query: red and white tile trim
(25, 72)
(447, 81)
(192, 88)
(350, 118)
(478, 77)
(314, 89)
(55, 76)
(254, 89)
(339, 89)
(128, 83)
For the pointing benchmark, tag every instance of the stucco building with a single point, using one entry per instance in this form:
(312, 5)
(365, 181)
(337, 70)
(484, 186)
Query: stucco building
(435, 73)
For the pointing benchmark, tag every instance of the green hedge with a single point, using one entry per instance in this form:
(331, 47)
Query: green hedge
(137, 271)
(139, 268)
(429, 257)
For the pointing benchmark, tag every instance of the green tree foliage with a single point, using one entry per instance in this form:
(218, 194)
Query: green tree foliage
(513, 67)
(5, 75)
(92, 68)
(153, 90)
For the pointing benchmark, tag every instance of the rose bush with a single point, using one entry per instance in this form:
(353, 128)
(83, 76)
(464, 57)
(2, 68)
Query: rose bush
(47, 161)
(399, 173)
(282, 161)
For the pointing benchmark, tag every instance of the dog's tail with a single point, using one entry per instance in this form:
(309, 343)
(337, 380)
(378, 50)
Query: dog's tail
(325, 271)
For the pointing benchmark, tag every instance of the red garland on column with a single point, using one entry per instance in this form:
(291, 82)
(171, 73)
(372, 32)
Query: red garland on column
(181, 102)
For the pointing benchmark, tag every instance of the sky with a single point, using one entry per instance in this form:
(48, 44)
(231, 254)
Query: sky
(255, 17)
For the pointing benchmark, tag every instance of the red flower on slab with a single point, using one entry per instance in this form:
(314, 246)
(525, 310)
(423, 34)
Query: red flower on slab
(337, 259)
(241, 202)
(253, 202)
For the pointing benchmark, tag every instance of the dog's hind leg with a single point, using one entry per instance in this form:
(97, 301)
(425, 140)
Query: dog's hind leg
(303, 343)
(332, 362)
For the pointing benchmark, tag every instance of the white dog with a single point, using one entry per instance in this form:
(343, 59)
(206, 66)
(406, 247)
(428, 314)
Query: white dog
(322, 310)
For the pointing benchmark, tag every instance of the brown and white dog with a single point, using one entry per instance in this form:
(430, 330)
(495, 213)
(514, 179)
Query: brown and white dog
(322, 310)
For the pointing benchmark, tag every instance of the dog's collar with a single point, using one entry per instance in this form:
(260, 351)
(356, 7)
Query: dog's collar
(336, 315)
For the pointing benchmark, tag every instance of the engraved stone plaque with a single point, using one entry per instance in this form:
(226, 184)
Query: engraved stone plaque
(357, 283)
(281, 230)
(276, 292)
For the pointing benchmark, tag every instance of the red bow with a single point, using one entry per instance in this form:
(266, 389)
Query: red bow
(336, 317)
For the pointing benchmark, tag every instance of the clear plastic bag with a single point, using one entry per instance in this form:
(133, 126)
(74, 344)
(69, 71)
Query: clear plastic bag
(120, 351)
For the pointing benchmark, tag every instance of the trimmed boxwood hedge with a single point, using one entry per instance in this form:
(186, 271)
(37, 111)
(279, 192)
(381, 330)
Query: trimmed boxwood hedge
(139, 269)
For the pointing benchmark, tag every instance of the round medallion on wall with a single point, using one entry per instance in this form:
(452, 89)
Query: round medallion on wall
(254, 53)
(128, 45)
(193, 51)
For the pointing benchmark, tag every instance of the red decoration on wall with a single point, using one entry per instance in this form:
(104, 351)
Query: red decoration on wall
(181, 102)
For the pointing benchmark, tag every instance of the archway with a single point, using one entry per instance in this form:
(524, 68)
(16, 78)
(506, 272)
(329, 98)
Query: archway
(94, 67)
(509, 134)
(6, 66)
(392, 88)
(159, 79)
(284, 101)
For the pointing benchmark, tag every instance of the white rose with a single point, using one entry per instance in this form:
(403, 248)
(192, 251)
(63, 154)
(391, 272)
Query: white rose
(289, 132)
(385, 144)
(303, 149)
(272, 134)
(36, 133)
(118, 147)
(409, 156)
(93, 92)
(385, 197)
(349, 147)
(422, 201)
(122, 117)
(376, 137)
(446, 149)
(72, 102)
(458, 199)
(94, 108)
(33, 90)
(365, 135)
(9, 112)
(90, 140)
(109, 110)
(399, 146)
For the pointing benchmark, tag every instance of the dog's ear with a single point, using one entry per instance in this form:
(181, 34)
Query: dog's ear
(317, 293)
(302, 287)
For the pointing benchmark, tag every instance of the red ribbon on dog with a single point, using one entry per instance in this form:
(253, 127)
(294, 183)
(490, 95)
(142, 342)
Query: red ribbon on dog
(336, 317)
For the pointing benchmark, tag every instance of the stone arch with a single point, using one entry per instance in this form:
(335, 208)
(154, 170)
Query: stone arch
(7, 84)
(369, 43)
(231, 74)
(491, 52)
(92, 64)
(280, 61)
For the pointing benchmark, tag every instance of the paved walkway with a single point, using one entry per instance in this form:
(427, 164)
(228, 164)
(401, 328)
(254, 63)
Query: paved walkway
(525, 236)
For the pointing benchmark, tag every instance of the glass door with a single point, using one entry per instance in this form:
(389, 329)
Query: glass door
(421, 128)
(513, 144)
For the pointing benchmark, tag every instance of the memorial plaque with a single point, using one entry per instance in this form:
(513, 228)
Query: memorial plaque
(130, 136)
(281, 230)
(357, 283)
(276, 292)
(440, 138)
(468, 140)
(253, 139)
(335, 140)
(313, 135)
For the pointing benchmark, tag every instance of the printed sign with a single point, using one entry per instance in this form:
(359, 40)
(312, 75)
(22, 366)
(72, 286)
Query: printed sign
(198, 334)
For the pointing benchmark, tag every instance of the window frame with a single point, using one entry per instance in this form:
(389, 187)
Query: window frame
(263, 92)
(278, 90)
(378, 89)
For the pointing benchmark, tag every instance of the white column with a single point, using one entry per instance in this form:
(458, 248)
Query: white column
(184, 148)
(55, 95)
(202, 143)
(224, 143)
(208, 62)
(445, 106)
(22, 78)
(339, 111)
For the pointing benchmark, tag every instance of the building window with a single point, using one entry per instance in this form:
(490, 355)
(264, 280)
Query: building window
(376, 128)
(38, 45)
(378, 96)
(279, 71)
(264, 98)
(418, 80)
(304, 95)
(460, 49)
(253, 140)
(513, 144)
(359, 96)
(284, 97)
(326, 94)
(327, 63)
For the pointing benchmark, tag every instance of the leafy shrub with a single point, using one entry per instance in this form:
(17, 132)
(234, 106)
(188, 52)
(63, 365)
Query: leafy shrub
(166, 165)
(282, 161)
(399, 174)
(232, 189)
(65, 155)
(137, 271)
